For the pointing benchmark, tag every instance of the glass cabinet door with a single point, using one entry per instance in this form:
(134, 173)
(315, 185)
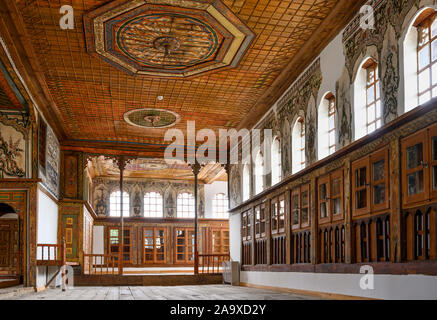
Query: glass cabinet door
(323, 196)
(433, 161)
(295, 209)
(360, 187)
(415, 168)
(305, 206)
(379, 180)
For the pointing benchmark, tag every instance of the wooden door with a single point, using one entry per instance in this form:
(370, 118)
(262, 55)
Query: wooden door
(360, 187)
(4, 248)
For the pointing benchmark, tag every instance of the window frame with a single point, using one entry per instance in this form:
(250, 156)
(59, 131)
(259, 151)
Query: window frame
(426, 23)
(225, 214)
(162, 204)
(184, 206)
(376, 84)
(126, 207)
(188, 248)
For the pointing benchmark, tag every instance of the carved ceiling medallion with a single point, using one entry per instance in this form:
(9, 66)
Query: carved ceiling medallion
(151, 118)
(167, 38)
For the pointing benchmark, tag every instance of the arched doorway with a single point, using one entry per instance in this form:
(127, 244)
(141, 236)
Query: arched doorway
(9, 244)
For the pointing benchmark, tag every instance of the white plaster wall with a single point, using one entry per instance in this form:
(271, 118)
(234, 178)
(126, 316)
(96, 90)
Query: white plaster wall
(235, 237)
(392, 287)
(210, 191)
(47, 222)
(47, 233)
(332, 61)
(98, 240)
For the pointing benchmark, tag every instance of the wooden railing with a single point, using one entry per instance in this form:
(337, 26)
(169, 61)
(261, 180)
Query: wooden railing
(212, 263)
(102, 264)
(50, 254)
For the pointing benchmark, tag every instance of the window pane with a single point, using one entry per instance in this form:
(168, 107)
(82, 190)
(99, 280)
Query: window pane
(434, 50)
(415, 183)
(424, 80)
(378, 93)
(414, 156)
(371, 113)
(379, 194)
(370, 95)
(336, 206)
(360, 177)
(434, 28)
(424, 57)
(423, 98)
(322, 192)
(379, 170)
(361, 199)
(323, 210)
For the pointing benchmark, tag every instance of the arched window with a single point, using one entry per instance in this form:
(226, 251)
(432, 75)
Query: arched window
(276, 162)
(185, 205)
(259, 173)
(327, 136)
(153, 207)
(220, 206)
(246, 182)
(298, 144)
(367, 99)
(420, 57)
(114, 204)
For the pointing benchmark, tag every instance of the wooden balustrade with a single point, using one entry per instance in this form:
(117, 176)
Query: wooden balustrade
(332, 244)
(372, 239)
(101, 264)
(278, 250)
(247, 253)
(301, 246)
(261, 251)
(50, 254)
(212, 263)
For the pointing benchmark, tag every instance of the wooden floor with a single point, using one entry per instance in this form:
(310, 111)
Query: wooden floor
(207, 292)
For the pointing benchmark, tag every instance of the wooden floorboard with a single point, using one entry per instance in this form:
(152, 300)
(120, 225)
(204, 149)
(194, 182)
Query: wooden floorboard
(203, 292)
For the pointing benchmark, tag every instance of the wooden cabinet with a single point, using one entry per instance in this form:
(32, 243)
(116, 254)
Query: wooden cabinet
(419, 167)
(330, 197)
(370, 184)
(220, 241)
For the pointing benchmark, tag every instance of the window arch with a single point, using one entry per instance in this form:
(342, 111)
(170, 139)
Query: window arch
(114, 204)
(246, 182)
(420, 60)
(276, 162)
(259, 173)
(185, 205)
(327, 134)
(153, 205)
(298, 144)
(367, 99)
(220, 206)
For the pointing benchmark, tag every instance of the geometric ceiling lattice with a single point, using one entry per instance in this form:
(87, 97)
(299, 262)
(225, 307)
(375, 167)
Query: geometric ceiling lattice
(151, 118)
(167, 38)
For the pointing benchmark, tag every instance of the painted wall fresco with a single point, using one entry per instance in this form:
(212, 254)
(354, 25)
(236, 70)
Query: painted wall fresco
(49, 170)
(102, 189)
(12, 151)
(384, 42)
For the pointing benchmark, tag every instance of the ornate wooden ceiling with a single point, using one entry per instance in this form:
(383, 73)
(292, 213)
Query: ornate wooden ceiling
(154, 169)
(87, 98)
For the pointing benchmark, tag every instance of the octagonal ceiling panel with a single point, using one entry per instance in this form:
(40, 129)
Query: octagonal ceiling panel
(167, 38)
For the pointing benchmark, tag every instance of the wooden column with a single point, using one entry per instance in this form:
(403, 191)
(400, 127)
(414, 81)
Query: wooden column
(314, 221)
(349, 241)
(395, 201)
(196, 170)
(268, 231)
(122, 161)
(288, 243)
